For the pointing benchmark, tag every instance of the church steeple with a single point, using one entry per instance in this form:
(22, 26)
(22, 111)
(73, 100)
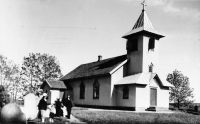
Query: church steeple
(142, 46)
(143, 24)
(144, 4)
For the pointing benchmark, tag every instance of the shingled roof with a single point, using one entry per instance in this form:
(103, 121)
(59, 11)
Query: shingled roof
(102, 67)
(54, 84)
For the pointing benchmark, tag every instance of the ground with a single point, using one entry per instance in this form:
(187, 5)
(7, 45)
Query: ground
(95, 116)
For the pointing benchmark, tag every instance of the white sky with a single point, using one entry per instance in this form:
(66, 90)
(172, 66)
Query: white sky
(77, 31)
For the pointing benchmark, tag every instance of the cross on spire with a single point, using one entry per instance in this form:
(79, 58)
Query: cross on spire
(143, 4)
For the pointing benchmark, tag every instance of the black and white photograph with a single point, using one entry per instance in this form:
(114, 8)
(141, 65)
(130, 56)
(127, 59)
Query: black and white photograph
(99, 61)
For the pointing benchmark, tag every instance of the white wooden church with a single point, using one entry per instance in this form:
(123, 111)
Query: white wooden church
(126, 82)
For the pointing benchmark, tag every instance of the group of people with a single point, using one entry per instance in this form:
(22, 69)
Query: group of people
(55, 108)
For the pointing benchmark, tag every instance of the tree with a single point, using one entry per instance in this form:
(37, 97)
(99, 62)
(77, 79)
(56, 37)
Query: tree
(17, 86)
(3, 68)
(37, 68)
(10, 77)
(4, 97)
(181, 93)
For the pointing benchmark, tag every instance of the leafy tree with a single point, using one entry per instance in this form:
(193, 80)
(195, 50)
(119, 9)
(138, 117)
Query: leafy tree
(2, 96)
(17, 86)
(37, 67)
(10, 77)
(3, 68)
(181, 93)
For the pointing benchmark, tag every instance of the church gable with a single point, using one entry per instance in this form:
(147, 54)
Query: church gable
(154, 83)
(157, 82)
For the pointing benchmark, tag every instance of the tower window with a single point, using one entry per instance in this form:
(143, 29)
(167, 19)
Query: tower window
(151, 43)
(151, 67)
(96, 89)
(125, 92)
(82, 90)
(132, 45)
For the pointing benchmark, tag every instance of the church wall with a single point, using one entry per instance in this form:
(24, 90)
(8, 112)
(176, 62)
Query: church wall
(115, 77)
(146, 58)
(130, 102)
(142, 97)
(163, 98)
(140, 60)
(162, 94)
(149, 56)
(134, 65)
(68, 92)
(104, 91)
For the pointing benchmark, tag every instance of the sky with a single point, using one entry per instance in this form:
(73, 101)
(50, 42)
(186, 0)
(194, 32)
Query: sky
(77, 31)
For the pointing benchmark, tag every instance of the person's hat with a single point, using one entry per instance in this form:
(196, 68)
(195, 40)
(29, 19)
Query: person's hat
(44, 94)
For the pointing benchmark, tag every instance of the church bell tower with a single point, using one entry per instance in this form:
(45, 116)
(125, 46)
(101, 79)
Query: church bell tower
(142, 46)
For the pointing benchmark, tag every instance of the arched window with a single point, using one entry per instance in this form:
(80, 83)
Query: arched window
(82, 90)
(151, 67)
(125, 92)
(96, 89)
(151, 43)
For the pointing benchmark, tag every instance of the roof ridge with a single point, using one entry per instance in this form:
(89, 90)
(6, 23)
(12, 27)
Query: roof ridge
(103, 59)
(102, 67)
(48, 83)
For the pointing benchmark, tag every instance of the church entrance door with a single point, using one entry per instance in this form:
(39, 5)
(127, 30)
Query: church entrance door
(153, 97)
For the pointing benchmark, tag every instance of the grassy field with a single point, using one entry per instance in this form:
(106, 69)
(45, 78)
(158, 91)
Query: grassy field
(114, 117)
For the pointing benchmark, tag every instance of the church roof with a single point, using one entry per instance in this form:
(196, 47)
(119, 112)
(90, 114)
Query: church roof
(143, 24)
(103, 67)
(54, 84)
(141, 78)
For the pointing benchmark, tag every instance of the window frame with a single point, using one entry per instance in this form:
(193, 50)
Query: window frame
(151, 45)
(82, 90)
(134, 45)
(125, 92)
(96, 89)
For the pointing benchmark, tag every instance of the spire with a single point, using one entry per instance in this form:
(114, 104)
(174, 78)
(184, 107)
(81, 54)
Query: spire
(143, 4)
(143, 24)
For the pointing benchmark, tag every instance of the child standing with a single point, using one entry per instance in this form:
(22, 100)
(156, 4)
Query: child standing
(52, 113)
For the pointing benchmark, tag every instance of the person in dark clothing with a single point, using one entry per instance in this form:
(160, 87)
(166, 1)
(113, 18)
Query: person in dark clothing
(42, 106)
(68, 104)
(59, 111)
